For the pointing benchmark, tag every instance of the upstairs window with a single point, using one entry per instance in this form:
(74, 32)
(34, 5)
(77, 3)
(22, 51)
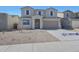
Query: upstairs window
(39, 12)
(27, 12)
(51, 13)
(67, 15)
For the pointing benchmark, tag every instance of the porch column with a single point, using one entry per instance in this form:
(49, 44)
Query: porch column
(41, 23)
(33, 24)
(59, 24)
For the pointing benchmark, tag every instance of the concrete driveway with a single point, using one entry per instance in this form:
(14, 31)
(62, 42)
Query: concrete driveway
(65, 35)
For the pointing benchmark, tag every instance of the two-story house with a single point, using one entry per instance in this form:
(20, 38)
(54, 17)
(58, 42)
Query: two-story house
(39, 19)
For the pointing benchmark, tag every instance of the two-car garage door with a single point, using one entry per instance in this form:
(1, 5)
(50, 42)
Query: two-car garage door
(50, 24)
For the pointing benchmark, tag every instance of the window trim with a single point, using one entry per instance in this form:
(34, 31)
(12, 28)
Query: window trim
(39, 13)
(51, 13)
(67, 15)
(26, 21)
(28, 12)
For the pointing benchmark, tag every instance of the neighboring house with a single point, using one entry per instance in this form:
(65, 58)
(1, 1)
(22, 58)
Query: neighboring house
(39, 19)
(65, 22)
(68, 14)
(70, 20)
(13, 21)
(7, 21)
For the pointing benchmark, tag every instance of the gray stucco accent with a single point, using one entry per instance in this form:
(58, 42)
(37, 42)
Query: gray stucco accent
(3, 21)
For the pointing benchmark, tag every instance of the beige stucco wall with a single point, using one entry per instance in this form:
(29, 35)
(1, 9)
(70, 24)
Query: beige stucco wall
(60, 14)
(75, 24)
(12, 19)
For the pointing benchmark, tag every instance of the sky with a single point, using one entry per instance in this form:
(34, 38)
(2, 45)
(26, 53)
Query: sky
(15, 10)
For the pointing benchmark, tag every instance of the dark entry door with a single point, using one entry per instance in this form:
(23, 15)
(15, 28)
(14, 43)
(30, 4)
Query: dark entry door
(15, 26)
(37, 23)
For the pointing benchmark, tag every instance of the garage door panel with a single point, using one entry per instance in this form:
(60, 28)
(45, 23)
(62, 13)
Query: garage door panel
(50, 24)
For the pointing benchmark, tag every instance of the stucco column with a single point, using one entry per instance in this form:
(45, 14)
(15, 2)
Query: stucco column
(41, 23)
(21, 24)
(33, 24)
(59, 24)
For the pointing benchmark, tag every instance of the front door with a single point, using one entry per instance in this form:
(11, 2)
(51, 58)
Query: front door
(37, 23)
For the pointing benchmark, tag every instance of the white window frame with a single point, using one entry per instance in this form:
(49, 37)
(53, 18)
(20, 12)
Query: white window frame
(40, 11)
(26, 12)
(25, 20)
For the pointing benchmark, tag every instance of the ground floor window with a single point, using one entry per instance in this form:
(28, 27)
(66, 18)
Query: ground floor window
(26, 22)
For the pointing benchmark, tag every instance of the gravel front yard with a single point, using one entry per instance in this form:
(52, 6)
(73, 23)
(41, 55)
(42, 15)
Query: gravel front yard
(25, 36)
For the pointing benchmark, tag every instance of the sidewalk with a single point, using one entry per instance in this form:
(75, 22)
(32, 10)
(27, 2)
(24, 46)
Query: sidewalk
(60, 46)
